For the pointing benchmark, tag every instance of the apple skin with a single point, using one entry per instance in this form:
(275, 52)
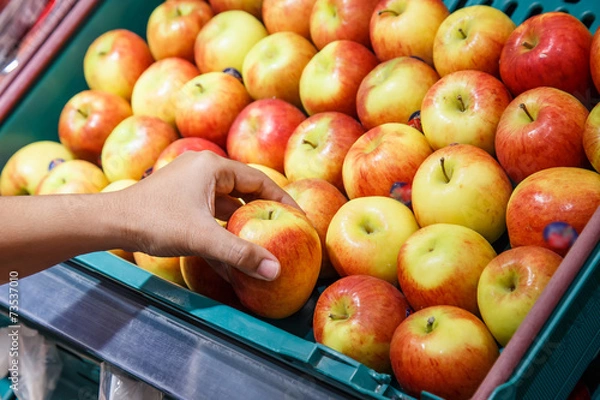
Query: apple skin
(440, 264)
(383, 156)
(331, 78)
(318, 146)
(87, 119)
(320, 200)
(201, 278)
(167, 268)
(406, 28)
(393, 91)
(464, 107)
(552, 139)
(73, 176)
(448, 358)
(25, 169)
(365, 235)
(560, 194)
(114, 61)
(288, 16)
(280, 179)
(484, 29)
(288, 234)
(595, 59)
(591, 137)
(253, 7)
(476, 195)
(559, 58)
(173, 26)
(357, 316)
(180, 146)
(260, 133)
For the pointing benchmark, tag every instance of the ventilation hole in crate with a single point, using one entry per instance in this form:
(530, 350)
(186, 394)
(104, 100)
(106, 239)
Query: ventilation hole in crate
(571, 1)
(461, 4)
(510, 9)
(588, 19)
(487, 2)
(535, 9)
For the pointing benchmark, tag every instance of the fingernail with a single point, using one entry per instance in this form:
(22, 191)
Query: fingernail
(268, 269)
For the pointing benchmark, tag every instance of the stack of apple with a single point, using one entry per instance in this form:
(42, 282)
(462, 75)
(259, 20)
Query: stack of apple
(419, 143)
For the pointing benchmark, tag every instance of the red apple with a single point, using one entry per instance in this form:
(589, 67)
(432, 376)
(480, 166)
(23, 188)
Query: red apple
(201, 278)
(591, 137)
(182, 145)
(595, 59)
(288, 16)
(253, 7)
(73, 176)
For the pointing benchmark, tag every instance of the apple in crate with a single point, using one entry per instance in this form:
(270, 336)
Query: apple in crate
(462, 184)
(541, 128)
(357, 316)
(26, 167)
(471, 38)
(595, 59)
(165, 267)
(253, 7)
(180, 146)
(288, 15)
(440, 264)
(73, 176)
(173, 26)
(406, 28)
(201, 278)
(280, 179)
(551, 207)
(87, 119)
(365, 235)
(444, 350)
(464, 107)
(393, 91)
(288, 234)
(591, 137)
(114, 61)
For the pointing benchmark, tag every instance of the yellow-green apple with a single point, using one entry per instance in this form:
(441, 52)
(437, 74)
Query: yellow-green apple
(113, 187)
(365, 234)
(287, 16)
(406, 28)
(331, 78)
(357, 316)
(443, 350)
(509, 286)
(541, 128)
(134, 145)
(551, 207)
(207, 105)
(73, 176)
(155, 90)
(173, 26)
(167, 268)
(280, 179)
(384, 157)
(318, 146)
(180, 146)
(462, 184)
(440, 264)
(288, 234)
(595, 59)
(319, 200)
(224, 41)
(260, 132)
(393, 91)
(464, 107)
(201, 278)
(548, 49)
(471, 38)
(114, 61)
(87, 119)
(253, 7)
(332, 20)
(591, 137)
(273, 66)
(27, 166)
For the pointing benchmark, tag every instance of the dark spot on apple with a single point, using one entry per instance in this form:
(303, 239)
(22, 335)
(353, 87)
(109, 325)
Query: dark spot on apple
(147, 173)
(235, 73)
(55, 162)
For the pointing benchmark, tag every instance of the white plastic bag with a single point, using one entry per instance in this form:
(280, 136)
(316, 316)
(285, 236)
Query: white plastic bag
(116, 385)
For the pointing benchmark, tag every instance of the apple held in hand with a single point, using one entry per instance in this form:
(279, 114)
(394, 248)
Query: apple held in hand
(180, 146)
(591, 137)
(288, 16)
(73, 176)
(357, 316)
(201, 278)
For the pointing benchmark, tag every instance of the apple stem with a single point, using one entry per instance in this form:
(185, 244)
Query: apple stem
(429, 326)
(337, 317)
(444, 170)
(527, 45)
(82, 113)
(178, 12)
(271, 214)
(462, 103)
(304, 141)
(387, 11)
(199, 86)
(523, 107)
(464, 35)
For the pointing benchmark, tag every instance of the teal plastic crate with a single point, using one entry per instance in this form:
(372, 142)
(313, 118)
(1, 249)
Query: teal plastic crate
(564, 347)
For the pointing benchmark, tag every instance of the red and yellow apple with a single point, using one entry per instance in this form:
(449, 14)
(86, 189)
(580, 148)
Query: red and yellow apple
(180, 146)
(280, 179)
(167, 268)
(288, 16)
(201, 278)
(73, 176)
(253, 7)
(591, 137)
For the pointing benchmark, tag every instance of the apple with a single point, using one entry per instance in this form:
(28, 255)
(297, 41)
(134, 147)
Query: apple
(331, 78)
(357, 316)
(318, 146)
(551, 207)
(260, 132)
(471, 38)
(87, 119)
(541, 128)
(462, 184)
(288, 16)
(393, 91)
(114, 61)
(464, 107)
(155, 91)
(548, 49)
(365, 235)
(173, 26)
(27, 166)
(280, 179)
(591, 137)
(253, 7)
(167, 268)
(273, 66)
(406, 28)
(382, 157)
(224, 41)
(134, 146)
(320, 200)
(288, 234)
(180, 146)
(201, 278)
(440, 264)
(73, 176)
(595, 59)
(443, 350)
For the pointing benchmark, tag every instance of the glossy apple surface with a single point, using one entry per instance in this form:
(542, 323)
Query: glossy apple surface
(280, 179)
(591, 137)
(595, 59)
(73, 176)
(288, 16)
(180, 146)
(167, 268)
(253, 7)
(201, 278)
